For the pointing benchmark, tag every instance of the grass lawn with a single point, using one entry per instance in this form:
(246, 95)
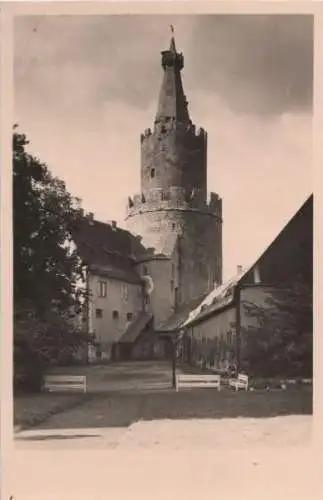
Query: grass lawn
(30, 410)
(123, 409)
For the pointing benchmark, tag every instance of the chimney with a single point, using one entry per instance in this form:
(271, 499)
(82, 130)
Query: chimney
(256, 275)
(239, 269)
(114, 225)
(90, 218)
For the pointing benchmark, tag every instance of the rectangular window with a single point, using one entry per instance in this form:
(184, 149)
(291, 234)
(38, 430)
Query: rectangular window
(146, 300)
(125, 291)
(99, 313)
(115, 314)
(102, 289)
(129, 316)
(176, 297)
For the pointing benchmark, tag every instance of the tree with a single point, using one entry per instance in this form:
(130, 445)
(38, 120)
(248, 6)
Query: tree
(46, 268)
(48, 274)
(281, 342)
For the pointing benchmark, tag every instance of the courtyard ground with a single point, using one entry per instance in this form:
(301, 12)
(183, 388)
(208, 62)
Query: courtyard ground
(133, 405)
(101, 379)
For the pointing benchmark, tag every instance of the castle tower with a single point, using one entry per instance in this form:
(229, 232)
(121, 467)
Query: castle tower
(173, 211)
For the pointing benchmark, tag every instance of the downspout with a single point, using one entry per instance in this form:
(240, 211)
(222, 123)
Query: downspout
(238, 326)
(88, 312)
(179, 273)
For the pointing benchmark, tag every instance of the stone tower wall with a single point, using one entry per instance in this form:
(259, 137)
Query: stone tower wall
(163, 215)
(173, 155)
(172, 212)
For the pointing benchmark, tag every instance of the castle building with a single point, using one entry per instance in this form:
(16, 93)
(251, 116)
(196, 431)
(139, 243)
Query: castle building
(169, 257)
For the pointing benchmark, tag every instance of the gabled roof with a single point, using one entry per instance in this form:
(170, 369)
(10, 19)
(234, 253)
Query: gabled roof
(220, 296)
(223, 295)
(106, 248)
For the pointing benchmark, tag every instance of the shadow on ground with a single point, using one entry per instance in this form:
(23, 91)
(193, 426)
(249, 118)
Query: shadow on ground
(57, 437)
(121, 410)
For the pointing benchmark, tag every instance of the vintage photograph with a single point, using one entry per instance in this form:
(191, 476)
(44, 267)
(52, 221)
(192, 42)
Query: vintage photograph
(162, 231)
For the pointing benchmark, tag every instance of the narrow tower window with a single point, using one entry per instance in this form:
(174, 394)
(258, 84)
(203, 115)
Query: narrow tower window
(152, 173)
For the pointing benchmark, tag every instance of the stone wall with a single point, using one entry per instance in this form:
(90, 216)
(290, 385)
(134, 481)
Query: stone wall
(199, 245)
(173, 155)
(215, 336)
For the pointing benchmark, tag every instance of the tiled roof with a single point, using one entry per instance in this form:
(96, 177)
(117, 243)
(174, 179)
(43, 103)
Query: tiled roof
(101, 246)
(178, 318)
(135, 328)
(220, 296)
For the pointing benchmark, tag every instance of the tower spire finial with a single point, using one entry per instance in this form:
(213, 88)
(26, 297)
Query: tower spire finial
(172, 101)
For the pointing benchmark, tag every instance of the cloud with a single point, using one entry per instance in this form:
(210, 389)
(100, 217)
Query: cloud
(256, 63)
(86, 87)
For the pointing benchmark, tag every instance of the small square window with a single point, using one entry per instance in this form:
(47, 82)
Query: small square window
(99, 313)
(129, 316)
(115, 314)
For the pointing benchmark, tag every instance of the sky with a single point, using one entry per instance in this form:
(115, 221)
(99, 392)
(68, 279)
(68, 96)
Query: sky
(87, 86)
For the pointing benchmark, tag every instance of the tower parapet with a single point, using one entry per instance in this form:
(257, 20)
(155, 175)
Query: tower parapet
(174, 198)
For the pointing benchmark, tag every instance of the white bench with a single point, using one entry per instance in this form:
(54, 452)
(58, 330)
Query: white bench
(200, 380)
(56, 383)
(241, 382)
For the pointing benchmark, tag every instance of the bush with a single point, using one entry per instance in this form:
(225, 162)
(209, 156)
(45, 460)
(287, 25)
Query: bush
(39, 342)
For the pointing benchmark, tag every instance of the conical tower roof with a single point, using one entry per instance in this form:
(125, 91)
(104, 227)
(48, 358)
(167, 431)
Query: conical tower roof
(172, 102)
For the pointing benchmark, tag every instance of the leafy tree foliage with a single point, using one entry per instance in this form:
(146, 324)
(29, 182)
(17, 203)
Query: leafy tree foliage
(46, 270)
(281, 342)
(48, 273)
